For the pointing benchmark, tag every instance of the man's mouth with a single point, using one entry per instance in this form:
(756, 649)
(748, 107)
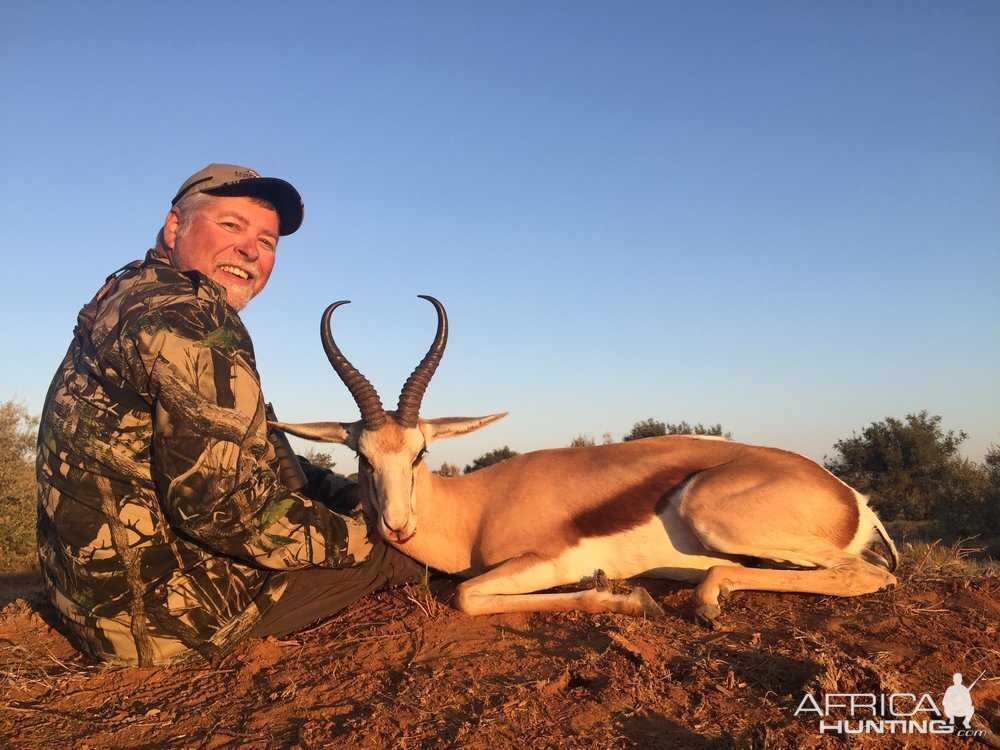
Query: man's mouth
(240, 273)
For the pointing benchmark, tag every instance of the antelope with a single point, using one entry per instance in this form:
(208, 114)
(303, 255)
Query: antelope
(676, 507)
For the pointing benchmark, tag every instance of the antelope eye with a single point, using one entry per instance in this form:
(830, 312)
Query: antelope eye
(363, 460)
(420, 456)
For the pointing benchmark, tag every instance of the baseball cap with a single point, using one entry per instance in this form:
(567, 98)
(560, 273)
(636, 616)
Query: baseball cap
(233, 180)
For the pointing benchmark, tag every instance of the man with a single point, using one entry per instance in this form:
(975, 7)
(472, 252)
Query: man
(168, 528)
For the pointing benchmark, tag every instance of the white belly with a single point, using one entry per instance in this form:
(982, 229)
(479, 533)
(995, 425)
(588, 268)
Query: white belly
(664, 547)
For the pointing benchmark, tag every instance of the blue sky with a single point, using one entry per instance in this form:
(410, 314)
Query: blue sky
(779, 216)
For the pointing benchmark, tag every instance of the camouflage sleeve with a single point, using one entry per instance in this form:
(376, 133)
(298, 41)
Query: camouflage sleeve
(211, 459)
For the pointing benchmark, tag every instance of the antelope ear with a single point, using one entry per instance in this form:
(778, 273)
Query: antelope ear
(447, 427)
(345, 433)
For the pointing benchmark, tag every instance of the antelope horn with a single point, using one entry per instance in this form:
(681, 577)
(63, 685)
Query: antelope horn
(413, 390)
(364, 393)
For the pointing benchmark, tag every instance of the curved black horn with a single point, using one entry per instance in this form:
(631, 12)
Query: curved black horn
(415, 386)
(365, 395)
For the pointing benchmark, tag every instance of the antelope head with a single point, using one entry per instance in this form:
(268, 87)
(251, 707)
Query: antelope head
(390, 444)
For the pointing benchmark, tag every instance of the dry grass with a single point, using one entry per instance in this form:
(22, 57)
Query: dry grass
(935, 560)
(421, 595)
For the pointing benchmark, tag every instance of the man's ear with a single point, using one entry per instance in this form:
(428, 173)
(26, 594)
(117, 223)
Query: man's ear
(170, 226)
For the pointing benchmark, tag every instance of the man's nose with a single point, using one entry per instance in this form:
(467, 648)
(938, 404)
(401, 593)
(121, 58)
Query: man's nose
(247, 247)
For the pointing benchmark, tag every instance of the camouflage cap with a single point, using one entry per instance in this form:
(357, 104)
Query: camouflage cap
(230, 179)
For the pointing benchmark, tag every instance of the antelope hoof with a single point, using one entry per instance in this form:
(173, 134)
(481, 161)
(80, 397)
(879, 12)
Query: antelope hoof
(601, 581)
(707, 616)
(646, 603)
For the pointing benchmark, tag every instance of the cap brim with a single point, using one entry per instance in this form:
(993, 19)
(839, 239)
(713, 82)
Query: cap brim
(286, 199)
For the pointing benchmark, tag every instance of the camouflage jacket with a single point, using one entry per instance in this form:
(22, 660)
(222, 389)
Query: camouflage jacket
(163, 529)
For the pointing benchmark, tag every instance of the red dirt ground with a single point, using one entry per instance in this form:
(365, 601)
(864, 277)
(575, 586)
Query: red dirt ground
(403, 669)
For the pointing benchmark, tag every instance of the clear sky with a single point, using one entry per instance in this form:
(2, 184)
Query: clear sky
(780, 216)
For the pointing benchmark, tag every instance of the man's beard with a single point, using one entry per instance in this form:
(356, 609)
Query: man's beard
(239, 297)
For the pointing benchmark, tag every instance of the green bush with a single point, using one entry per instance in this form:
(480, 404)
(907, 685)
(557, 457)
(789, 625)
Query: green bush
(18, 548)
(914, 475)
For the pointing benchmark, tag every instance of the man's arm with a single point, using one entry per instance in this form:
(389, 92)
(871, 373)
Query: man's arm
(332, 490)
(213, 465)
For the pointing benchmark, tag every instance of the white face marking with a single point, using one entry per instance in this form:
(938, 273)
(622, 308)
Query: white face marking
(394, 453)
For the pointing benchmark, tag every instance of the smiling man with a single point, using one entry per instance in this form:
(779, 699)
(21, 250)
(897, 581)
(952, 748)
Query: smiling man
(168, 526)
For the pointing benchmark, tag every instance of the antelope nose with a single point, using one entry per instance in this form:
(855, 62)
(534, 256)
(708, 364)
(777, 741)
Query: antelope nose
(395, 529)
(401, 535)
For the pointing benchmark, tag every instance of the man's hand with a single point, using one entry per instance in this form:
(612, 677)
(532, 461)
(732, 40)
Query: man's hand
(349, 500)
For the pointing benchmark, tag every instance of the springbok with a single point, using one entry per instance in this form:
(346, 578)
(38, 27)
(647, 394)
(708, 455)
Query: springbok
(677, 507)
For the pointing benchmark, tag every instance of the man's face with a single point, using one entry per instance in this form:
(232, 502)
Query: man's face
(230, 240)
